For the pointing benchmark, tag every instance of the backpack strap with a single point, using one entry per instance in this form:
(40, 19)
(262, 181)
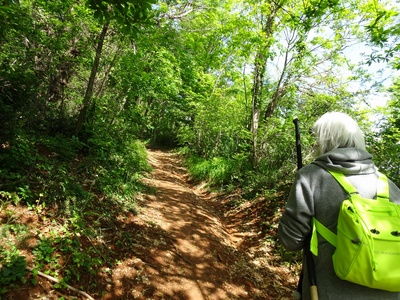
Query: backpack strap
(344, 182)
(328, 235)
(382, 191)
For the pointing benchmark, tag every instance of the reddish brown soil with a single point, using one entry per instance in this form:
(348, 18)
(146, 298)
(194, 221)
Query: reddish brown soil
(185, 243)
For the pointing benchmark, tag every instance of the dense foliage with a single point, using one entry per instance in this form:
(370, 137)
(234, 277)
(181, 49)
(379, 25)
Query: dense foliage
(86, 85)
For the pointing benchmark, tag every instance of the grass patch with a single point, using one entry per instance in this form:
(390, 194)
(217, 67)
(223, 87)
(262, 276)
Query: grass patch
(217, 172)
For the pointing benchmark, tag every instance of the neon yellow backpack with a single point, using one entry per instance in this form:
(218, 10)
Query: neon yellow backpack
(367, 240)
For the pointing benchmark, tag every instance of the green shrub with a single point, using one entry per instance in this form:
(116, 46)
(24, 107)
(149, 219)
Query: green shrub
(12, 268)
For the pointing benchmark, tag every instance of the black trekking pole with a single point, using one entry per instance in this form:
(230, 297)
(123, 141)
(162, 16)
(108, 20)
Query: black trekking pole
(307, 252)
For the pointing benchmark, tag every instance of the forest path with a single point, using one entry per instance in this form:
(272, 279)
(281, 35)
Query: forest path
(187, 249)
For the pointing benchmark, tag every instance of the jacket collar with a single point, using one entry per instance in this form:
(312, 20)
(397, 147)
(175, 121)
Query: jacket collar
(347, 161)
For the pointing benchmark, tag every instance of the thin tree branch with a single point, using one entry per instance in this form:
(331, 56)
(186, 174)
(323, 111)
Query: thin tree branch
(53, 279)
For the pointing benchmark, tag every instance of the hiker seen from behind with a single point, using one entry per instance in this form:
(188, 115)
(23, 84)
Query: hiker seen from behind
(352, 212)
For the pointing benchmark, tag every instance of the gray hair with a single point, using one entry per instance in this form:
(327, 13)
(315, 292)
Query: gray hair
(337, 130)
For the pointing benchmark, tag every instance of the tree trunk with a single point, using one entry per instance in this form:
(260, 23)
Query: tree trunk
(256, 96)
(89, 90)
(117, 55)
(279, 93)
(259, 71)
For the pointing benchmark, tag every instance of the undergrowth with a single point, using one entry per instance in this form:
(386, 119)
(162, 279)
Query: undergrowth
(220, 172)
(73, 189)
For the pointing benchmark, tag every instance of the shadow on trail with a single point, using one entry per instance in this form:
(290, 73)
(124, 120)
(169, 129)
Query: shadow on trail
(179, 248)
(174, 246)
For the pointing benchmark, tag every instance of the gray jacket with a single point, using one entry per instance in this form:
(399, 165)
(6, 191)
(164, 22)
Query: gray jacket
(316, 193)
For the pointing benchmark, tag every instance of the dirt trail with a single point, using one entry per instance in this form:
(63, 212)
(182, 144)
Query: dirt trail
(186, 251)
(182, 244)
